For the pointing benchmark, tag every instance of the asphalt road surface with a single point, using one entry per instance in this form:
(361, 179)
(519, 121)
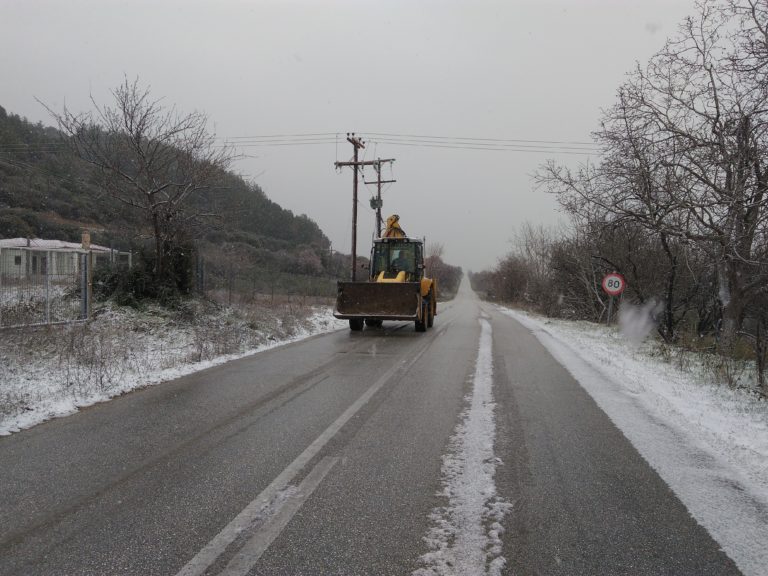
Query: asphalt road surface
(324, 457)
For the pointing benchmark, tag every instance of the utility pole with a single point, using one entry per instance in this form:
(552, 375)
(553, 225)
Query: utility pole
(378, 203)
(358, 143)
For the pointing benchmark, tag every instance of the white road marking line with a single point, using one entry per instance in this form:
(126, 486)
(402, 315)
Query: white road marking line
(254, 511)
(250, 553)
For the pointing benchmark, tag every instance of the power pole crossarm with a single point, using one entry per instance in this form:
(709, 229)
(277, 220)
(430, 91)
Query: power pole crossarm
(361, 163)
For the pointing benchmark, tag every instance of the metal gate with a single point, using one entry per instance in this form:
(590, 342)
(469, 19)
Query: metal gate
(40, 287)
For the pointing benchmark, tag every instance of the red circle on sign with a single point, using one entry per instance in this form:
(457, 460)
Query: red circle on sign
(614, 284)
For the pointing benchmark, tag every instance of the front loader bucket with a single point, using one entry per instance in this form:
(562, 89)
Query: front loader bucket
(380, 301)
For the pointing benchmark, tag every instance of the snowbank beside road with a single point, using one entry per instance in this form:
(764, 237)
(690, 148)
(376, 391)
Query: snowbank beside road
(52, 373)
(707, 441)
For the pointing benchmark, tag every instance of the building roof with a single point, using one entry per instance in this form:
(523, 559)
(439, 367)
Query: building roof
(40, 244)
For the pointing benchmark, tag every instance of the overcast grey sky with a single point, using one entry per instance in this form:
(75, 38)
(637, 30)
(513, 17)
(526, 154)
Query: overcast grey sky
(512, 70)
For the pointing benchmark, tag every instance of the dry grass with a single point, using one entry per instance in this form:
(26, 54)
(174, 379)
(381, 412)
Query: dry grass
(693, 353)
(121, 346)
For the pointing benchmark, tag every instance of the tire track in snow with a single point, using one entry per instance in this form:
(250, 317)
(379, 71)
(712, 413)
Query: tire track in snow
(466, 534)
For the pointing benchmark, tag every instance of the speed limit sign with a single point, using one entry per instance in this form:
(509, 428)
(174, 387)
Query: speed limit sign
(614, 284)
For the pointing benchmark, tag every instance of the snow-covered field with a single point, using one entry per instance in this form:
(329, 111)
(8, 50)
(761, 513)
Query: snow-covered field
(708, 441)
(51, 372)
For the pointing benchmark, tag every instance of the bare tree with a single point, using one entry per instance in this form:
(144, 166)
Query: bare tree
(151, 158)
(434, 259)
(752, 36)
(446, 275)
(716, 119)
(685, 148)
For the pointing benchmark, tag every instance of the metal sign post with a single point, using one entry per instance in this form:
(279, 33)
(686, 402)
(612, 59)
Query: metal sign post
(613, 284)
(610, 310)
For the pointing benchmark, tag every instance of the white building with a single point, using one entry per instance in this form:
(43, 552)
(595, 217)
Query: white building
(36, 258)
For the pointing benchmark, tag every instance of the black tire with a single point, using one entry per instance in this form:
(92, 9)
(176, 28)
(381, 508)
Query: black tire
(421, 325)
(355, 324)
(430, 314)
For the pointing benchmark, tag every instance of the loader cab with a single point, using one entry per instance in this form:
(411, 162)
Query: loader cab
(394, 255)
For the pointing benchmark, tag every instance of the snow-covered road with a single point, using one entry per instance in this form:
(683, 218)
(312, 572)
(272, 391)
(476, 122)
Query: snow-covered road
(469, 449)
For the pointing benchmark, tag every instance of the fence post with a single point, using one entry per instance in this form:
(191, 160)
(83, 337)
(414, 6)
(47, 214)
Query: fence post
(84, 285)
(47, 287)
(2, 270)
(90, 283)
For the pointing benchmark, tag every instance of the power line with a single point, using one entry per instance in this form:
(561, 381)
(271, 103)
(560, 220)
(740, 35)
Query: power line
(242, 140)
(33, 168)
(334, 134)
(263, 145)
(47, 147)
(467, 143)
(388, 135)
(519, 144)
(422, 136)
(571, 147)
(551, 150)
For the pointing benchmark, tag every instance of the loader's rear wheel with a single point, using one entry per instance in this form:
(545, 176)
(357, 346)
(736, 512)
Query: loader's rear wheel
(356, 324)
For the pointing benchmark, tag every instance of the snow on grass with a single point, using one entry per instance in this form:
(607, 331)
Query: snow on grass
(26, 305)
(51, 372)
(709, 442)
(466, 533)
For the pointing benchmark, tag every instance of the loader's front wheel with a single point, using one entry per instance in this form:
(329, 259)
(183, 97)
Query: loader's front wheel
(430, 314)
(421, 323)
(356, 324)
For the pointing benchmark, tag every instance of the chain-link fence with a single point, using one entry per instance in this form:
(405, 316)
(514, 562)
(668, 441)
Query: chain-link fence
(228, 279)
(43, 286)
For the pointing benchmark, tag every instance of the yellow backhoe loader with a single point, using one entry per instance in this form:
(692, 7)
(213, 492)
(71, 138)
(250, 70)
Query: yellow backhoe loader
(396, 288)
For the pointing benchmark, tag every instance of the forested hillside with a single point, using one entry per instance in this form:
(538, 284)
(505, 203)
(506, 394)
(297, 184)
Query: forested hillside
(46, 191)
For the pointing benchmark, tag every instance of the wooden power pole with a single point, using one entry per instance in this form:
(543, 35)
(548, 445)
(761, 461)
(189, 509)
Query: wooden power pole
(357, 143)
(378, 204)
